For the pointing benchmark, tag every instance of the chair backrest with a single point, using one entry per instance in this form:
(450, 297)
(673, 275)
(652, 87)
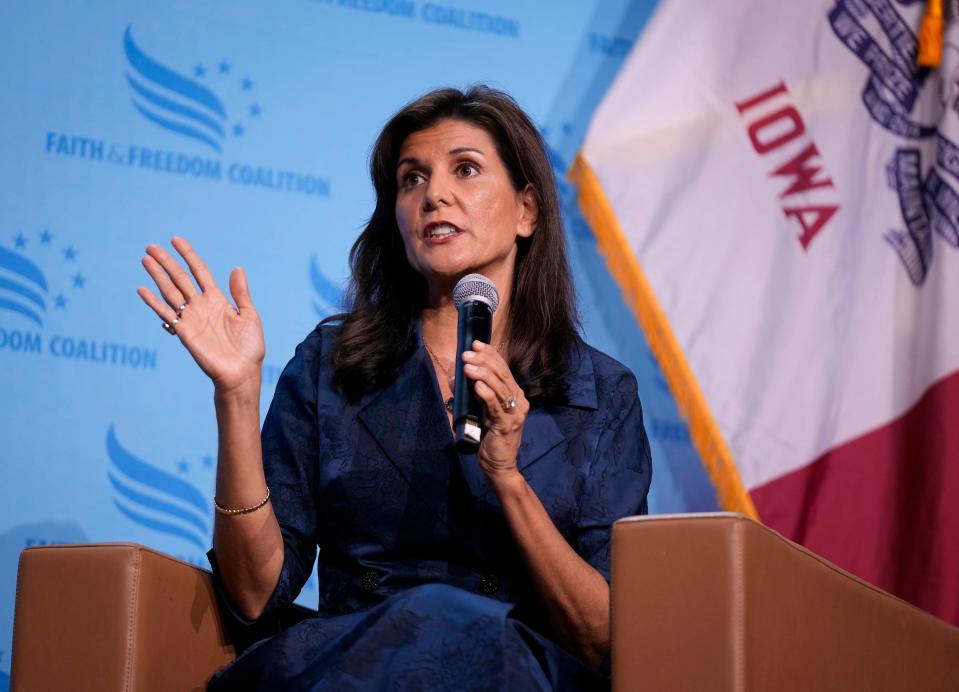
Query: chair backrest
(719, 602)
(114, 616)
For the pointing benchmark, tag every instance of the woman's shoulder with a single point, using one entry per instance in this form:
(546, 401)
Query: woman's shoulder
(319, 343)
(312, 353)
(604, 365)
(614, 384)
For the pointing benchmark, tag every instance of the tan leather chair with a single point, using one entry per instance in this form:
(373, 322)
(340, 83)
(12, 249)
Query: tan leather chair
(720, 602)
(700, 602)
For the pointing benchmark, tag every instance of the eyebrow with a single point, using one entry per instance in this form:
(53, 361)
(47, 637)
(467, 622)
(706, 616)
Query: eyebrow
(412, 160)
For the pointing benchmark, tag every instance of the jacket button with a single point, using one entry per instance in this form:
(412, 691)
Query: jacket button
(488, 584)
(370, 580)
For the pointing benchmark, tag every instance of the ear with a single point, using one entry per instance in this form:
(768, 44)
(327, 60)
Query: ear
(529, 212)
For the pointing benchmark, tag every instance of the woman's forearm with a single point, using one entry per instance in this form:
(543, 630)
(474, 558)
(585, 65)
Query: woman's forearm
(576, 595)
(249, 547)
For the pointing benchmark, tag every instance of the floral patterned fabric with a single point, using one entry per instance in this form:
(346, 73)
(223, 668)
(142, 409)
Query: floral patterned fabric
(421, 585)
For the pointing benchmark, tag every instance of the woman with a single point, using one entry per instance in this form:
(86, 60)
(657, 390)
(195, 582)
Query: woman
(437, 570)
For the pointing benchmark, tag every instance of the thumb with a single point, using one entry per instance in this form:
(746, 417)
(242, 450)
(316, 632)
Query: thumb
(240, 290)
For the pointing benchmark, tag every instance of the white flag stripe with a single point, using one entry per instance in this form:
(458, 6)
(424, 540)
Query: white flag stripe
(795, 349)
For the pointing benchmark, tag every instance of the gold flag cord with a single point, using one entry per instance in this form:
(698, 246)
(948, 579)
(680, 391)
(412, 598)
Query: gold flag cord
(930, 35)
(638, 293)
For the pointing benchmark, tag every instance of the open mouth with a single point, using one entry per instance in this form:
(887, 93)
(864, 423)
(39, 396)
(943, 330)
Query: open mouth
(440, 230)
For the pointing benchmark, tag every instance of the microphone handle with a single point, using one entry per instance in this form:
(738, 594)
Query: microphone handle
(475, 323)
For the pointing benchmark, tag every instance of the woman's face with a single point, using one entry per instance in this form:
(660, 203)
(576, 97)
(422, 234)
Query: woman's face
(456, 207)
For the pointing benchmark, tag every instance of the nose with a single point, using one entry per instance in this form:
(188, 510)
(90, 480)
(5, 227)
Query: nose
(436, 193)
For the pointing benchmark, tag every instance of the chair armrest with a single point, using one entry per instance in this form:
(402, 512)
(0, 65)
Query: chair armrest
(114, 616)
(720, 602)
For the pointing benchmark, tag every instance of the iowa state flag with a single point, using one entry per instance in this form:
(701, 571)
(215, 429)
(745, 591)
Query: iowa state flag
(775, 186)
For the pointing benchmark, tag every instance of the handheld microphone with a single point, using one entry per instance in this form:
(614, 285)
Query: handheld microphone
(476, 300)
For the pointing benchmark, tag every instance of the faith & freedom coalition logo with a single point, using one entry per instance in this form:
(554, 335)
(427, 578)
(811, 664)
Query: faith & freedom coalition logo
(164, 502)
(25, 289)
(189, 108)
(41, 282)
(172, 505)
(928, 200)
(200, 108)
(329, 296)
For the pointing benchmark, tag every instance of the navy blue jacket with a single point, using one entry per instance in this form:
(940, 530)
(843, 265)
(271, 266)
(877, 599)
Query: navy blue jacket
(379, 487)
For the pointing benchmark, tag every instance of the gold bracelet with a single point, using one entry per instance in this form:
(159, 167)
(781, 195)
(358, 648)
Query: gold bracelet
(245, 510)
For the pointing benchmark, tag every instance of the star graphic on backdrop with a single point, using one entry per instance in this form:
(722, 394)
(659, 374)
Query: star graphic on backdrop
(208, 461)
(20, 241)
(238, 130)
(46, 237)
(69, 254)
(79, 280)
(60, 301)
(199, 71)
(183, 466)
(246, 84)
(254, 110)
(224, 67)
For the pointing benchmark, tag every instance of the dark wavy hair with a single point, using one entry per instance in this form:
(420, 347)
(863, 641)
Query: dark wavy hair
(386, 295)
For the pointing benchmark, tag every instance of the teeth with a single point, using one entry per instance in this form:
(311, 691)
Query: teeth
(442, 231)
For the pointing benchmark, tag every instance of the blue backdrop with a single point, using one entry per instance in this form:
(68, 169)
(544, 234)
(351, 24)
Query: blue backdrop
(245, 127)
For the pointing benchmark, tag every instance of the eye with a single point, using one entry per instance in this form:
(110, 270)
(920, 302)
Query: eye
(411, 179)
(467, 169)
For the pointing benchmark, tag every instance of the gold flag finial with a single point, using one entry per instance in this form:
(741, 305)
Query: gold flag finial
(930, 35)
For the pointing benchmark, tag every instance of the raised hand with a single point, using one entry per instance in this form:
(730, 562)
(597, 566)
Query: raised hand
(225, 341)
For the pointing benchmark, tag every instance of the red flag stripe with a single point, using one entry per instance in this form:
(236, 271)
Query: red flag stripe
(884, 506)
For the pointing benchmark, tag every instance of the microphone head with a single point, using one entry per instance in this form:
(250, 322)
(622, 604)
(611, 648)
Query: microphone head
(475, 287)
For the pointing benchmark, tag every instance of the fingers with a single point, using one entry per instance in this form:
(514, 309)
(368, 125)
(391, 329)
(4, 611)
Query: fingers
(197, 266)
(494, 359)
(494, 381)
(490, 397)
(484, 375)
(497, 417)
(163, 311)
(171, 294)
(240, 290)
(177, 274)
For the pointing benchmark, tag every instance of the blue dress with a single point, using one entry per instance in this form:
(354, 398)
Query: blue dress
(421, 584)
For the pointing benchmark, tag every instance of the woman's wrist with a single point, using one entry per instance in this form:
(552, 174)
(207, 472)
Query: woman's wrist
(243, 394)
(507, 484)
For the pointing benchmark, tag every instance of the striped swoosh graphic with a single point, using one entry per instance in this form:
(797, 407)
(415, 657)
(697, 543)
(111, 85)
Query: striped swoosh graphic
(197, 114)
(155, 498)
(329, 292)
(22, 287)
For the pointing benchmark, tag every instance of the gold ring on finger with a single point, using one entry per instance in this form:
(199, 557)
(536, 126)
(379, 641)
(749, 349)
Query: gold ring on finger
(510, 403)
(171, 326)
